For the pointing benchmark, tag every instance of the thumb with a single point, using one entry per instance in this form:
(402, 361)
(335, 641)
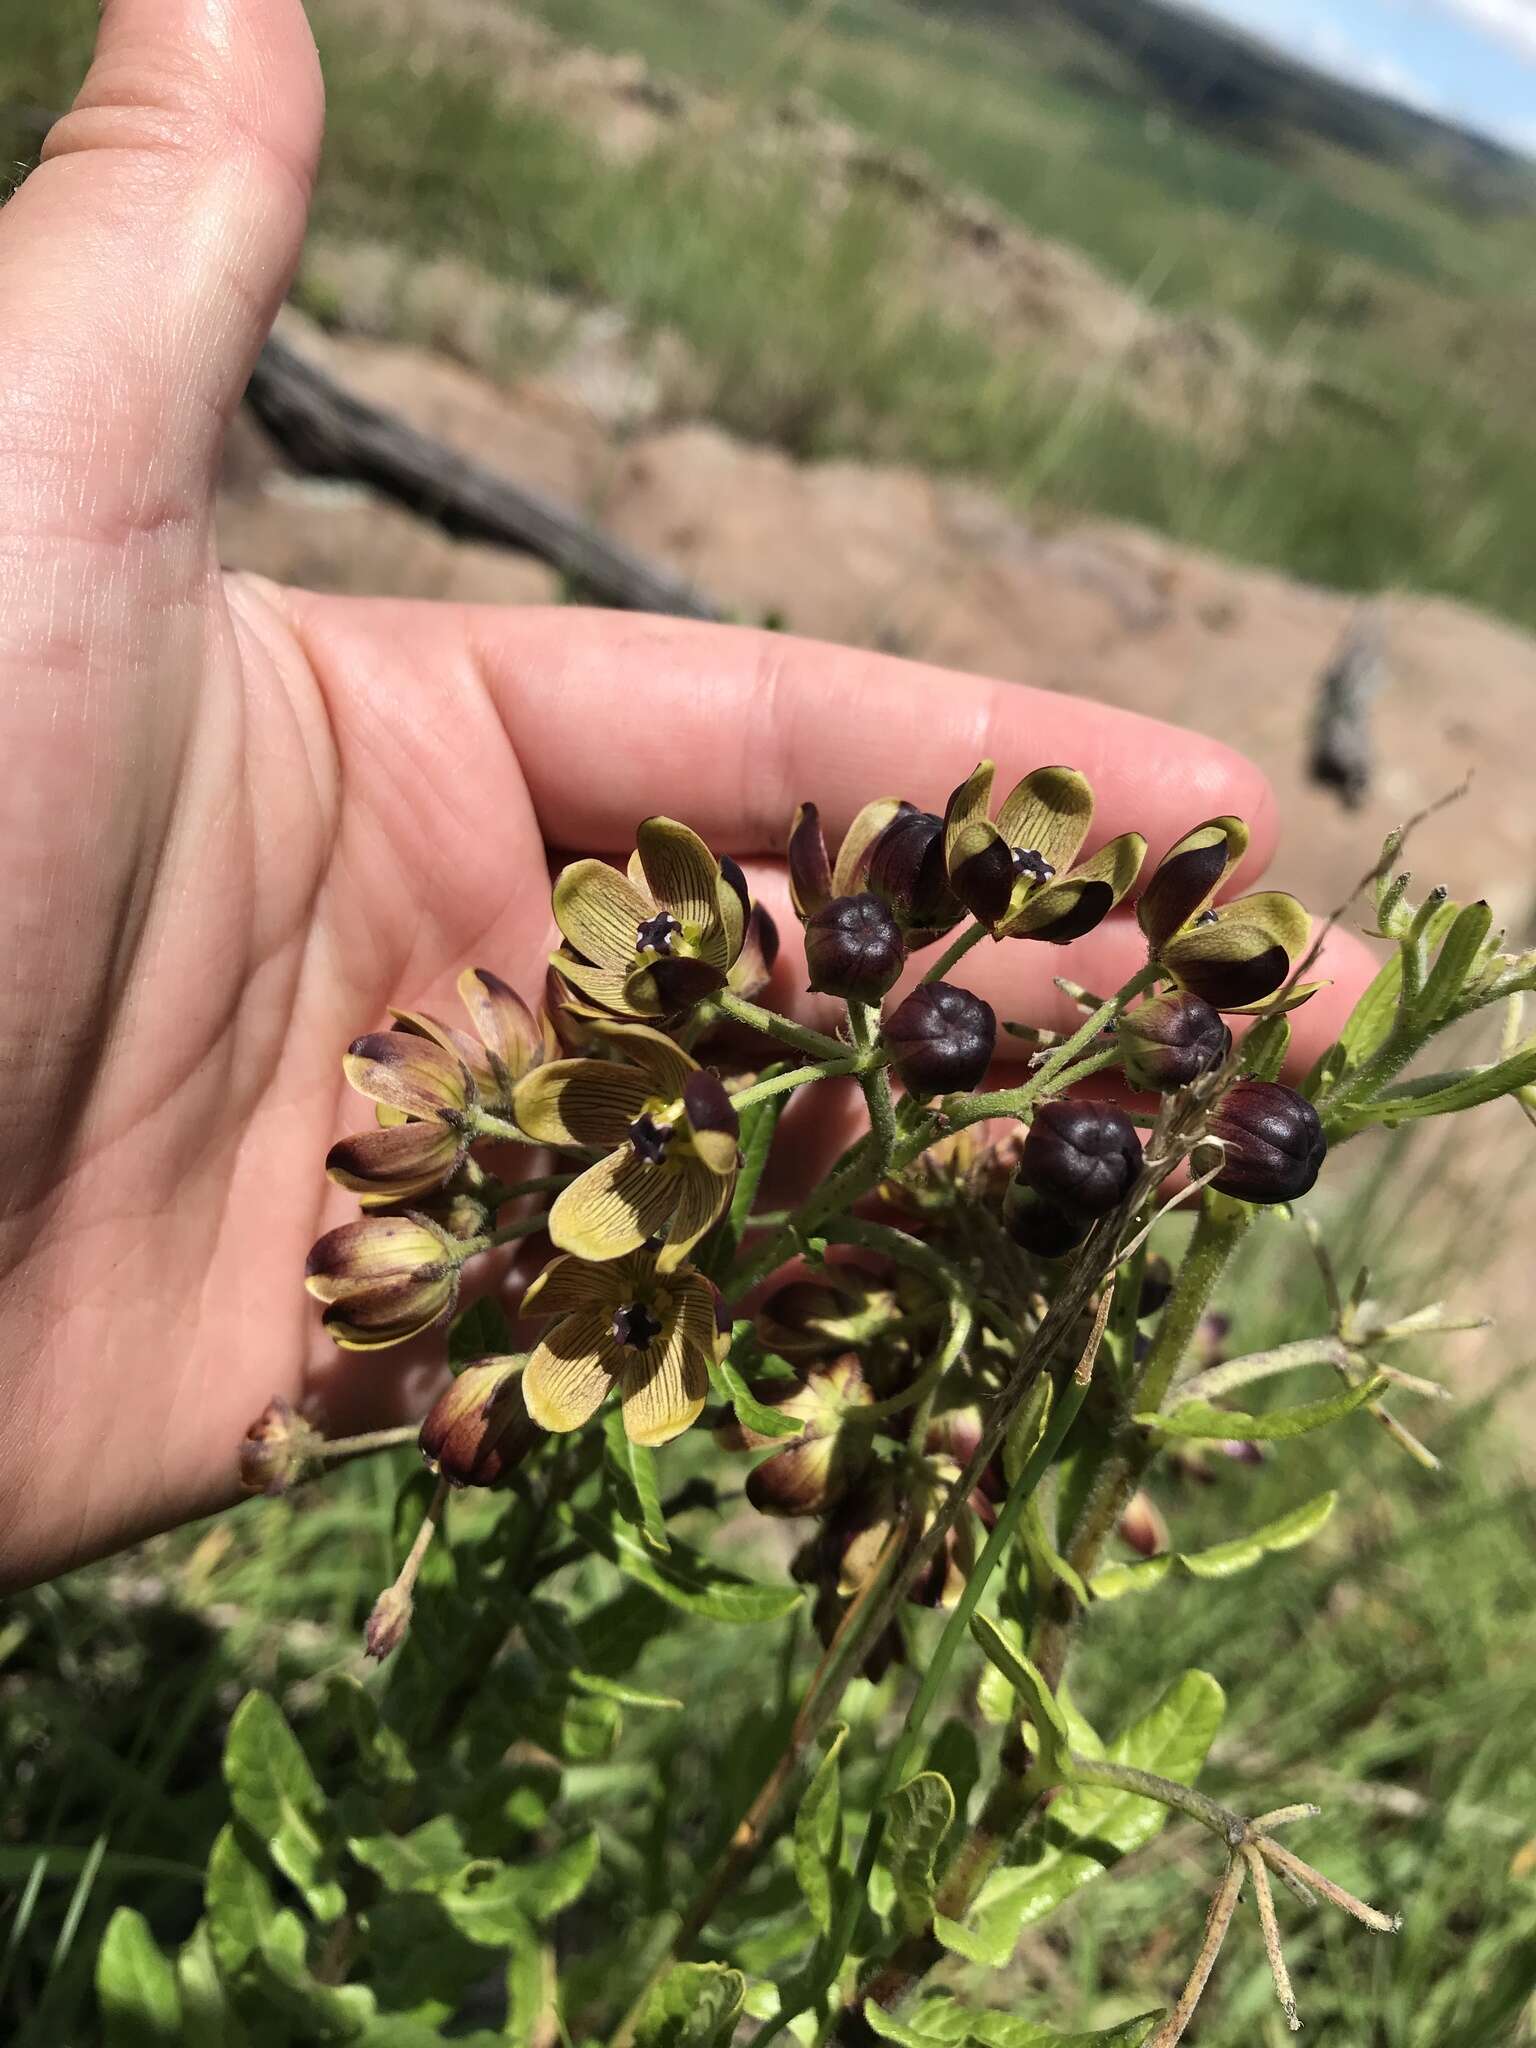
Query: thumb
(143, 261)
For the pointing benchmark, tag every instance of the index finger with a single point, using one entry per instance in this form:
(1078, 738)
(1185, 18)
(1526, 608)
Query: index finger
(616, 716)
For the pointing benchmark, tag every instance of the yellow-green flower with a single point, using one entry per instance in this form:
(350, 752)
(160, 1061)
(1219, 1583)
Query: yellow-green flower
(673, 1129)
(624, 1324)
(1016, 876)
(433, 1090)
(1233, 956)
(655, 942)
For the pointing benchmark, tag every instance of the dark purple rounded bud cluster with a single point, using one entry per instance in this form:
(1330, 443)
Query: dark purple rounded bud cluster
(854, 949)
(906, 867)
(1172, 1040)
(1041, 1227)
(941, 1039)
(1274, 1142)
(1082, 1156)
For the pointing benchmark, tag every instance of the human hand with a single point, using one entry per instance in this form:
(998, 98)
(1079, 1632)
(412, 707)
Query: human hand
(237, 821)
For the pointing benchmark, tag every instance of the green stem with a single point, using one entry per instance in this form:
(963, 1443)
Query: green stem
(972, 935)
(525, 1226)
(497, 1193)
(898, 1759)
(728, 1004)
(1064, 1067)
(920, 1258)
(876, 1084)
(797, 1077)
(1217, 1234)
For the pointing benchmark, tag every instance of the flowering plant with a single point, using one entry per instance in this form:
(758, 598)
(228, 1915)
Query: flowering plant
(956, 1366)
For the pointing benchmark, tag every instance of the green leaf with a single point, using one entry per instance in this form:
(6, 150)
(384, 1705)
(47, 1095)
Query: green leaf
(274, 1791)
(382, 1759)
(1225, 1558)
(1441, 1094)
(922, 1811)
(423, 1861)
(696, 2005)
(238, 1901)
(1039, 1702)
(636, 1494)
(1089, 1827)
(941, 2022)
(1200, 1419)
(325, 2012)
(530, 1987)
(759, 1123)
(750, 1412)
(479, 1331)
(1266, 1048)
(1027, 1430)
(490, 1901)
(819, 1834)
(684, 1577)
(136, 1986)
(1457, 957)
(555, 1644)
(208, 2020)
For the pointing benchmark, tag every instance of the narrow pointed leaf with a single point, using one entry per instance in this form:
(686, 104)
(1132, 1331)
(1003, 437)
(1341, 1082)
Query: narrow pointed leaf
(1200, 1419)
(1223, 1559)
(819, 1834)
(683, 1576)
(636, 1494)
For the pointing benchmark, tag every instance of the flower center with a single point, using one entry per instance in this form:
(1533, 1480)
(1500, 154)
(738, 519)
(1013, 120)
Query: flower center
(657, 934)
(650, 1138)
(1207, 917)
(1026, 862)
(635, 1326)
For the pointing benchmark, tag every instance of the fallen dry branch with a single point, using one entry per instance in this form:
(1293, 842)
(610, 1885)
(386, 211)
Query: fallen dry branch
(324, 429)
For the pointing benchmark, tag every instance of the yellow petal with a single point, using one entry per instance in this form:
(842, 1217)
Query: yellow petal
(599, 912)
(1063, 910)
(700, 1199)
(503, 1022)
(607, 987)
(663, 1388)
(407, 1072)
(1048, 813)
(615, 1206)
(567, 1286)
(580, 1102)
(1188, 877)
(859, 838)
(683, 875)
(566, 1380)
(968, 805)
(664, 1065)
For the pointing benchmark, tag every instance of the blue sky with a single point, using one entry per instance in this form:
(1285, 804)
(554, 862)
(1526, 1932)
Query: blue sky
(1472, 60)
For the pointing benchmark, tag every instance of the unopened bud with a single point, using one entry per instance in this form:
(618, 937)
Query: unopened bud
(907, 867)
(1040, 1226)
(854, 949)
(279, 1449)
(387, 1624)
(1172, 1040)
(1082, 1156)
(1142, 1527)
(479, 1429)
(941, 1040)
(1273, 1140)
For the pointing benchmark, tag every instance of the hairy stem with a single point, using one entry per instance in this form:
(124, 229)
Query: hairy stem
(971, 935)
(728, 1004)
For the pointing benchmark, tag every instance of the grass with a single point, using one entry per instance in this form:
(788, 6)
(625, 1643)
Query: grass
(1389, 1669)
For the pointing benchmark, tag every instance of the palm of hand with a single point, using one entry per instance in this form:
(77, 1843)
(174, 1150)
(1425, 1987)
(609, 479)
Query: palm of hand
(238, 823)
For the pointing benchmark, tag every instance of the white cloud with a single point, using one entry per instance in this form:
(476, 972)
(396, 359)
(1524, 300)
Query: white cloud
(1512, 22)
(1328, 47)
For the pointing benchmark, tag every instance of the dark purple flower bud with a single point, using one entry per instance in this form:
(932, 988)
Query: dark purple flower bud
(854, 949)
(810, 866)
(941, 1039)
(907, 867)
(1172, 1040)
(1082, 1156)
(479, 1428)
(1156, 1286)
(1274, 1142)
(1040, 1226)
